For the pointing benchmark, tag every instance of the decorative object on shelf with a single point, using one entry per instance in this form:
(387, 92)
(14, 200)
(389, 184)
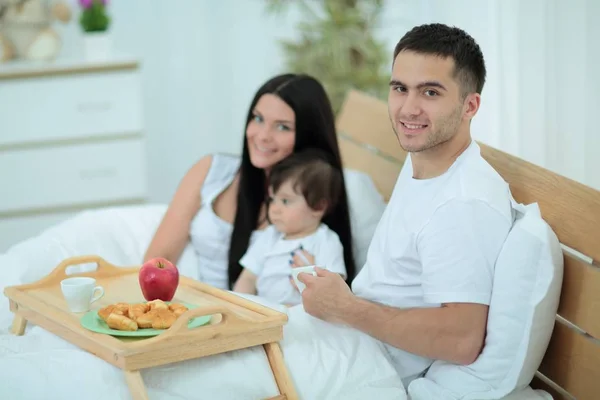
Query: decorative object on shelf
(26, 29)
(338, 46)
(95, 22)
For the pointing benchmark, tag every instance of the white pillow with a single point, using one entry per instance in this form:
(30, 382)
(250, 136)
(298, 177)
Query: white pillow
(366, 207)
(525, 297)
(424, 389)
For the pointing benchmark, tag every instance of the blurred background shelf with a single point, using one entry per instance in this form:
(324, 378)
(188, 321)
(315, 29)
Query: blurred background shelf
(72, 134)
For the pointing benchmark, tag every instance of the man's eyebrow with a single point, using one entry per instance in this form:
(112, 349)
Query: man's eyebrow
(282, 121)
(435, 84)
(421, 85)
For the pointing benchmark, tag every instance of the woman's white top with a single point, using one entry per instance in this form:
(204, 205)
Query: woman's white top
(209, 234)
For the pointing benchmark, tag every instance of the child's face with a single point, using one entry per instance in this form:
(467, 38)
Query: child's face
(290, 213)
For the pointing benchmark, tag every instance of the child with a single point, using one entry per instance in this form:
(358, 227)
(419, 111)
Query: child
(303, 188)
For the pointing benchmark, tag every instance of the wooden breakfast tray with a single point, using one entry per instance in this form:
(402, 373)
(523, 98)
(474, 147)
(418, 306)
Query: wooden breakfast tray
(236, 323)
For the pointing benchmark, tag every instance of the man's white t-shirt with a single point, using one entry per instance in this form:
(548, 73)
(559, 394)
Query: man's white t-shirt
(269, 259)
(437, 242)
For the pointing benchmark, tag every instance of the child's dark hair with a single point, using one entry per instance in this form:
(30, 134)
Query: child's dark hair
(312, 175)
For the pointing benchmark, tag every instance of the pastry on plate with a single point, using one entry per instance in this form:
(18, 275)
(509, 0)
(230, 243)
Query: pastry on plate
(154, 314)
(177, 309)
(146, 320)
(158, 304)
(136, 310)
(108, 310)
(163, 319)
(121, 323)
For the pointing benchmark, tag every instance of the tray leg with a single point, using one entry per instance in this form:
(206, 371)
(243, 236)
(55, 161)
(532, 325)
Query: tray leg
(280, 371)
(136, 385)
(18, 326)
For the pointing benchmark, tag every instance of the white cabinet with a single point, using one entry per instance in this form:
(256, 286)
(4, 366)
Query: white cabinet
(71, 138)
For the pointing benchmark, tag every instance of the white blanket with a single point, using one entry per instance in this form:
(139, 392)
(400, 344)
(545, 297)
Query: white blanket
(325, 361)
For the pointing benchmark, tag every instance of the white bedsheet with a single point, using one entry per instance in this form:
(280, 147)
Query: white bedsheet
(325, 361)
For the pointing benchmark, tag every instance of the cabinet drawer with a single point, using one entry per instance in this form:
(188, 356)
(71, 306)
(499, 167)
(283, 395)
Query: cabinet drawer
(71, 175)
(70, 106)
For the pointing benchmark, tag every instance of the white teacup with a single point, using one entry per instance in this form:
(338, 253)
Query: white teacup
(309, 269)
(79, 293)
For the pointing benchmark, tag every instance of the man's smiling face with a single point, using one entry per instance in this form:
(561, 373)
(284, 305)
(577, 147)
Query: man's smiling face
(425, 102)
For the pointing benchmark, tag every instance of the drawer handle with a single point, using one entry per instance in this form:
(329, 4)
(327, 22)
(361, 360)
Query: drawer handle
(97, 173)
(94, 107)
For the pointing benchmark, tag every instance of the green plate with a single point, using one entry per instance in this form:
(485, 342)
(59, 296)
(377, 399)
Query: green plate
(92, 321)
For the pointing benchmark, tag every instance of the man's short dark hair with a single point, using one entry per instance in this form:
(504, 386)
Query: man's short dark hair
(312, 175)
(445, 41)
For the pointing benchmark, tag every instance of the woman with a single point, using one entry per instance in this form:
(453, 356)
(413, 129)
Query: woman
(220, 203)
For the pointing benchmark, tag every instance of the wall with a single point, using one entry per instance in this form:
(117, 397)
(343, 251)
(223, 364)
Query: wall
(201, 63)
(203, 60)
(540, 97)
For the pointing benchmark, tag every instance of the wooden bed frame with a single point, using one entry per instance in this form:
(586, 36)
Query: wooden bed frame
(571, 367)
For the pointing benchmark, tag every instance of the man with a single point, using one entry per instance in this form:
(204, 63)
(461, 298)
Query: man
(426, 286)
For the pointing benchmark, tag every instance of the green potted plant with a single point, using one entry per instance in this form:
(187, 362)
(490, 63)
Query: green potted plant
(338, 46)
(95, 23)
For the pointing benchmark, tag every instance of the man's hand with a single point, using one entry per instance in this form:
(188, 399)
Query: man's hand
(326, 296)
(453, 332)
(300, 258)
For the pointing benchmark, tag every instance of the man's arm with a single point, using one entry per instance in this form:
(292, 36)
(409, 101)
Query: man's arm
(454, 332)
(457, 249)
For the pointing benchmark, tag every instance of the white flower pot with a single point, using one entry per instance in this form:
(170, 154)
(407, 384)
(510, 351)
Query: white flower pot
(97, 46)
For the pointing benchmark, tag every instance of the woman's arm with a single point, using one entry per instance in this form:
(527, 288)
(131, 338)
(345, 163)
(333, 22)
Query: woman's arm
(246, 283)
(172, 234)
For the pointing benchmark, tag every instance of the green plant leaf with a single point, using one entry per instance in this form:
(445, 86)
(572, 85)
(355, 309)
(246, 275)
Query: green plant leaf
(95, 18)
(336, 45)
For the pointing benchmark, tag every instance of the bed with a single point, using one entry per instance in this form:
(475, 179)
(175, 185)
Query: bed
(326, 362)
(571, 366)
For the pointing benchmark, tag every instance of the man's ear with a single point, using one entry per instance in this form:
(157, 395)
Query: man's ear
(471, 105)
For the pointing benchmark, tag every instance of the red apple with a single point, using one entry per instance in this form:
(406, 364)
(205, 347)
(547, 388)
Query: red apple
(158, 279)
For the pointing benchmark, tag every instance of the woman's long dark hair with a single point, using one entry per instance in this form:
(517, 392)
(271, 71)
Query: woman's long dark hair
(315, 128)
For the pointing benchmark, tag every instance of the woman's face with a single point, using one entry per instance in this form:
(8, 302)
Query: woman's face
(271, 133)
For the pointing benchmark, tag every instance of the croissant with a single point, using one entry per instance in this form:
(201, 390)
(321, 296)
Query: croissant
(163, 319)
(110, 309)
(155, 314)
(121, 322)
(122, 307)
(145, 320)
(158, 304)
(136, 310)
(177, 309)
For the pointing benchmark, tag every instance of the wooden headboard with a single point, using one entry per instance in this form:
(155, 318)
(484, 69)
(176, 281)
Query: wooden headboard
(571, 367)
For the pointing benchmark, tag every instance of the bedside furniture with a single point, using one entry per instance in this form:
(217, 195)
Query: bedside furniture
(71, 138)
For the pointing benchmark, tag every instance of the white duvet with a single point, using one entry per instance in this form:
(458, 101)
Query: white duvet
(325, 361)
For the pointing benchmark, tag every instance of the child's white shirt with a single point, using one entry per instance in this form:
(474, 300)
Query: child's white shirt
(269, 259)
